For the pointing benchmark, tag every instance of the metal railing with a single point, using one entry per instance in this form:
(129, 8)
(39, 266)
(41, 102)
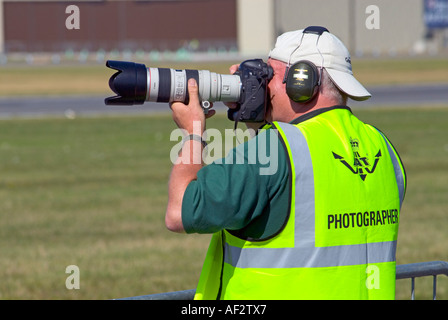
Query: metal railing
(422, 269)
(405, 271)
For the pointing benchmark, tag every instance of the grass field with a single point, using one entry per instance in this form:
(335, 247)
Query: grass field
(92, 192)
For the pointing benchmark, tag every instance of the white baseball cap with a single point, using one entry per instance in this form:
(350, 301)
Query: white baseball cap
(324, 50)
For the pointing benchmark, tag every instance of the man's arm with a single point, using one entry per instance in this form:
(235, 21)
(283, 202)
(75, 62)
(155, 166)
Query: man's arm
(190, 118)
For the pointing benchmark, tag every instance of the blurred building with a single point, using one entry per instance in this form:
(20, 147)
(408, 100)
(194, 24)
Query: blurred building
(367, 27)
(249, 27)
(40, 26)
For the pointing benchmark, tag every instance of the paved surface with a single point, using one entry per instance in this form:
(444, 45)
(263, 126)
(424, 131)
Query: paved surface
(406, 95)
(72, 106)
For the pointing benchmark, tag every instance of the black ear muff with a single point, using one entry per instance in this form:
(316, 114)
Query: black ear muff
(302, 81)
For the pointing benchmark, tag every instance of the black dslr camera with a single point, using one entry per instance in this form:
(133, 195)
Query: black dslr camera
(135, 83)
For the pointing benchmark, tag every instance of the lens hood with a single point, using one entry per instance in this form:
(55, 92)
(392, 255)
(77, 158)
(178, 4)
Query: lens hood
(129, 83)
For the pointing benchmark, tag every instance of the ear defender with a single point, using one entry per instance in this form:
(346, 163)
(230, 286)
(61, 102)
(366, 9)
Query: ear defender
(302, 81)
(302, 78)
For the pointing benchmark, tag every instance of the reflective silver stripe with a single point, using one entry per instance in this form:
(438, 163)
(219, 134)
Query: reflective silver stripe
(304, 185)
(310, 257)
(397, 168)
(304, 254)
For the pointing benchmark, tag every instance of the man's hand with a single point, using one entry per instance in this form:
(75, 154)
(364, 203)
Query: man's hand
(186, 115)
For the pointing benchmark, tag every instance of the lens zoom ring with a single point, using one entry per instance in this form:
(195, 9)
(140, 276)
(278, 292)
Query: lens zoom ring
(164, 85)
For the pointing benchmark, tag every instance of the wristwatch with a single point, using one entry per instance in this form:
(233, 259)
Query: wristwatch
(196, 138)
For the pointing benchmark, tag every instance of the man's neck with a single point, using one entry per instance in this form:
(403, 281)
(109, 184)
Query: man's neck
(300, 109)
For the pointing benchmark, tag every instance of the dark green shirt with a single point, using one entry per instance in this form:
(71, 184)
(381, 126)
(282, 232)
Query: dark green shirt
(248, 191)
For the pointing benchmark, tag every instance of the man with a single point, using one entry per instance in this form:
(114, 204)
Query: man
(324, 224)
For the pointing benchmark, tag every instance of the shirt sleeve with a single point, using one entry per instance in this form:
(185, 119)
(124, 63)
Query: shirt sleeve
(234, 191)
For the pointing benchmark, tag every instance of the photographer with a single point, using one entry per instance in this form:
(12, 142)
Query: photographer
(300, 232)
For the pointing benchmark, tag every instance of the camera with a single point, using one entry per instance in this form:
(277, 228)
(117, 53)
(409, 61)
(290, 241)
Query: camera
(135, 83)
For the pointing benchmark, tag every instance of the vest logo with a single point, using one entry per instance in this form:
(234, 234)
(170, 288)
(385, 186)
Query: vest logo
(361, 165)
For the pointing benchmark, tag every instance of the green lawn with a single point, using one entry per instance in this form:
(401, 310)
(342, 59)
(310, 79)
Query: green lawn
(92, 192)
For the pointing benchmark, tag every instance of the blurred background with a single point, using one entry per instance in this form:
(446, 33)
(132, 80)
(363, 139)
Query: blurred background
(217, 29)
(86, 185)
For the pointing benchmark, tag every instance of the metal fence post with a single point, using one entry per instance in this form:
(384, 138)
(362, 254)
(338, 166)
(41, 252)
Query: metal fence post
(422, 269)
(405, 271)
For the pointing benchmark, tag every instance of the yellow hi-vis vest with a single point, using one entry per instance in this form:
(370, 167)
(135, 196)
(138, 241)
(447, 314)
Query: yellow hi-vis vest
(339, 241)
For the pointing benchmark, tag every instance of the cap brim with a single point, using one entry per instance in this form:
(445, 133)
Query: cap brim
(349, 85)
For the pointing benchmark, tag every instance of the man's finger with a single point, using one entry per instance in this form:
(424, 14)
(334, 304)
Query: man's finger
(193, 91)
(233, 68)
(210, 114)
(231, 105)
